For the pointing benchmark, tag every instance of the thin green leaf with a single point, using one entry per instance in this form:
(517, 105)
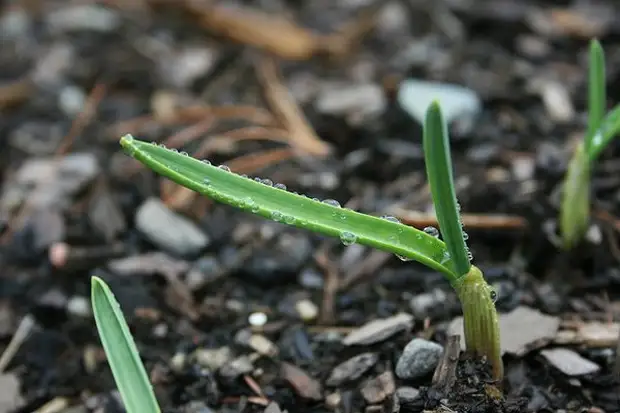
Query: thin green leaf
(292, 209)
(123, 357)
(597, 99)
(609, 129)
(439, 172)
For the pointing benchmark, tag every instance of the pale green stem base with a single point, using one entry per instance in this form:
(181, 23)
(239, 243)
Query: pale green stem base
(480, 320)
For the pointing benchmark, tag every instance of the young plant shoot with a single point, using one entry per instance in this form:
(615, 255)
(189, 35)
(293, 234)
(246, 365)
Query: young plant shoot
(327, 217)
(575, 204)
(121, 351)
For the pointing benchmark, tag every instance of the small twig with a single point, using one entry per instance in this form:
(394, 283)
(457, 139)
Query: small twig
(445, 373)
(368, 266)
(286, 111)
(83, 118)
(21, 334)
(482, 221)
(330, 286)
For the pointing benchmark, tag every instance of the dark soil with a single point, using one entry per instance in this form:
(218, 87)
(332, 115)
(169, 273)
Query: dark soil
(65, 86)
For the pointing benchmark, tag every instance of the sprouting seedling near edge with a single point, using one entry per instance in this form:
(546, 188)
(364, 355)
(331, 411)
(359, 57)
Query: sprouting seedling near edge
(261, 197)
(575, 203)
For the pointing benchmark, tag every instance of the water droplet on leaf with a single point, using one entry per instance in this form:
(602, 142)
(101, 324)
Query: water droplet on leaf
(280, 186)
(348, 238)
(332, 202)
(432, 231)
(224, 168)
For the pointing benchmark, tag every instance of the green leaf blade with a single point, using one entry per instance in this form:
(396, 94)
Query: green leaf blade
(609, 128)
(439, 172)
(121, 351)
(292, 209)
(597, 98)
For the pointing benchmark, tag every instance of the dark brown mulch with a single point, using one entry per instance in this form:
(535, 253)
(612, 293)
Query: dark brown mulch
(191, 276)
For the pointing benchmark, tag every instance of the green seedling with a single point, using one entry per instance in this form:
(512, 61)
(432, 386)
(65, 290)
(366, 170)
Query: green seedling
(602, 128)
(262, 197)
(121, 351)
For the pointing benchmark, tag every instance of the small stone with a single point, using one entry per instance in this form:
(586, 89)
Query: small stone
(523, 330)
(50, 182)
(273, 407)
(419, 358)
(72, 100)
(569, 362)
(185, 66)
(404, 396)
(213, 358)
(352, 369)
(378, 330)
(379, 388)
(458, 103)
(304, 385)
(169, 230)
(79, 306)
(237, 367)
(356, 102)
(596, 334)
(311, 278)
(557, 101)
(422, 305)
(10, 395)
(87, 17)
(307, 310)
(257, 319)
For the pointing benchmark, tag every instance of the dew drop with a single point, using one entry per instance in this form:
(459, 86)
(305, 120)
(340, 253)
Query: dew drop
(175, 150)
(332, 202)
(224, 168)
(289, 219)
(465, 236)
(280, 186)
(445, 258)
(470, 256)
(244, 176)
(348, 238)
(276, 216)
(184, 153)
(206, 162)
(267, 182)
(493, 295)
(403, 258)
(432, 231)
(316, 199)
(206, 181)
(391, 219)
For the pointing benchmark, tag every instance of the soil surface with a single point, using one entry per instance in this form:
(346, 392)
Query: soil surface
(232, 313)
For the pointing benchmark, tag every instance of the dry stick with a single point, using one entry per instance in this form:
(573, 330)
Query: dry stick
(192, 114)
(330, 287)
(20, 335)
(445, 373)
(270, 33)
(369, 266)
(286, 111)
(483, 221)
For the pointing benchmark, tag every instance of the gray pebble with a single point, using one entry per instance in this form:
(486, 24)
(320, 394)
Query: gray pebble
(168, 230)
(419, 358)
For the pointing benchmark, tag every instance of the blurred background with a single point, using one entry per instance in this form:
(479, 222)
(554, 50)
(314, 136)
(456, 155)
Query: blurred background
(233, 313)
